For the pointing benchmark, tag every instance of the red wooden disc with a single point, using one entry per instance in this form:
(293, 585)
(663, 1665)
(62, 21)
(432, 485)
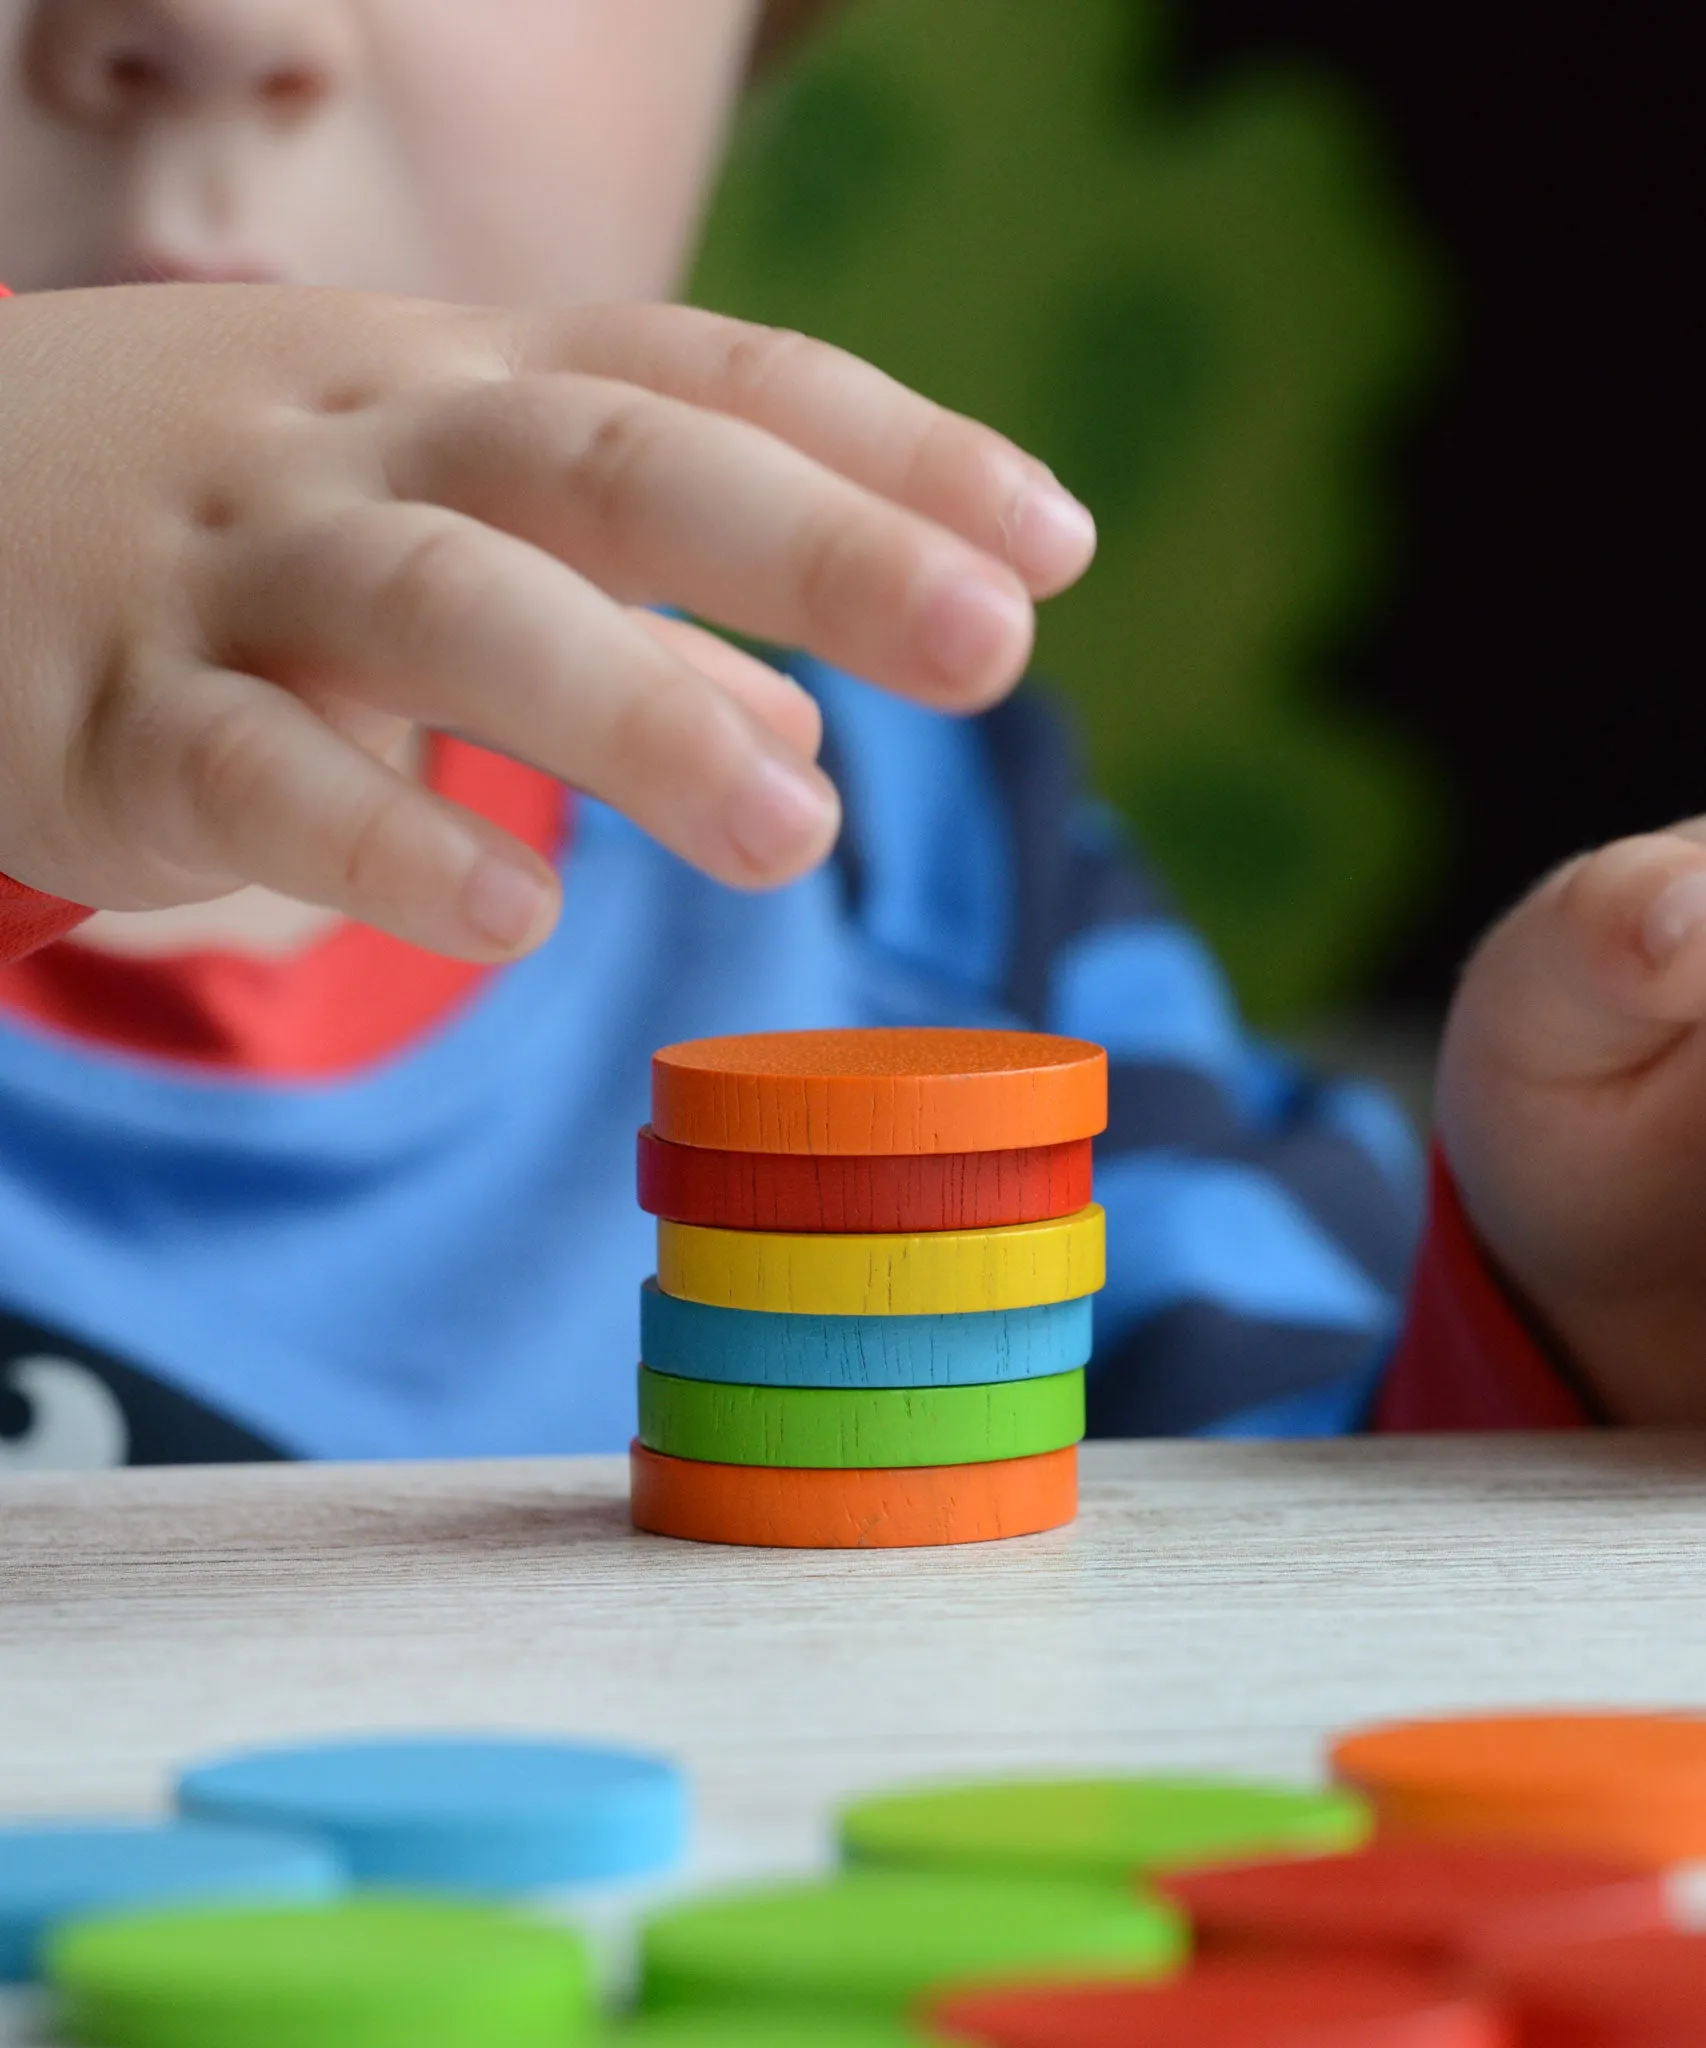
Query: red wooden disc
(849, 1193)
(1634, 1991)
(1235, 2005)
(1432, 1902)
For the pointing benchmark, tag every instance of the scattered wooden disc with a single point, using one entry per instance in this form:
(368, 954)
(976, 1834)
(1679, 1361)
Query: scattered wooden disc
(1628, 1785)
(837, 1427)
(1434, 1903)
(1281, 2004)
(880, 1091)
(896, 1191)
(785, 1508)
(881, 1940)
(371, 1969)
(1112, 1828)
(1630, 1991)
(942, 1272)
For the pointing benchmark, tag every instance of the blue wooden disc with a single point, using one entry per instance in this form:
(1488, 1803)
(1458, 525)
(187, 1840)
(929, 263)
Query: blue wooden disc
(691, 1340)
(53, 1871)
(483, 1815)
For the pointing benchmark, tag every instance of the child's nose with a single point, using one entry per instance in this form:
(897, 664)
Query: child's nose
(112, 61)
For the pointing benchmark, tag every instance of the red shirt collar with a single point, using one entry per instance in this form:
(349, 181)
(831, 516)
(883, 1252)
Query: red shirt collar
(352, 997)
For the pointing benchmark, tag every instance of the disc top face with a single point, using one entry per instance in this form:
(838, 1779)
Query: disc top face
(1101, 1827)
(927, 1053)
(880, 1091)
(487, 1815)
(1529, 1755)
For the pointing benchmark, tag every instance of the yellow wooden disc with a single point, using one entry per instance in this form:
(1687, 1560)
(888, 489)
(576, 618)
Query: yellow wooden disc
(923, 1273)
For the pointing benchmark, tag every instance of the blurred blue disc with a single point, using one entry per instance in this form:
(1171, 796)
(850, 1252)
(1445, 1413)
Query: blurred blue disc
(53, 1871)
(469, 1814)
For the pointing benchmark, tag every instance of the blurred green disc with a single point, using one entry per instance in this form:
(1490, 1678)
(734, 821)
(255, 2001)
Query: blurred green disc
(877, 1940)
(372, 1972)
(804, 2029)
(1099, 1827)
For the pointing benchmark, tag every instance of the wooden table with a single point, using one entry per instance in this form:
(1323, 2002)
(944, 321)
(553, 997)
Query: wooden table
(1217, 1607)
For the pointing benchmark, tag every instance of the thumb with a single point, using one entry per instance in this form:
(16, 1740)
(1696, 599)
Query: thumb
(1601, 969)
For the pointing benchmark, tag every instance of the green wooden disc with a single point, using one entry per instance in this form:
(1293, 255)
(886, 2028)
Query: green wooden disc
(371, 1972)
(841, 1427)
(880, 1940)
(805, 2029)
(1100, 1827)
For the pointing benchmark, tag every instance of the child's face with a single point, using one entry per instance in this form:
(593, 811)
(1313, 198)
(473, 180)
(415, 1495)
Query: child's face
(482, 150)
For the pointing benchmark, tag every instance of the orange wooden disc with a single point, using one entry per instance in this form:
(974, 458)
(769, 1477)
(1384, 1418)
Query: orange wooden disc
(794, 1508)
(850, 1194)
(1510, 1754)
(1631, 1785)
(879, 1091)
(1647, 1825)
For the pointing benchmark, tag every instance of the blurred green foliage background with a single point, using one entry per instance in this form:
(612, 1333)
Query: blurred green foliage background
(1206, 311)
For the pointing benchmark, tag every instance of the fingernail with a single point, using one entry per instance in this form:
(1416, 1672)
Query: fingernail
(973, 627)
(778, 814)
(1677, 913)
(505, 902)
(1051, 537)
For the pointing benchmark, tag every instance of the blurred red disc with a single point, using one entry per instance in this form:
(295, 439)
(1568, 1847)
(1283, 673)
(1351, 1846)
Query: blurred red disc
(1426, 1902)
(1630, 1991)
(1291, 2004)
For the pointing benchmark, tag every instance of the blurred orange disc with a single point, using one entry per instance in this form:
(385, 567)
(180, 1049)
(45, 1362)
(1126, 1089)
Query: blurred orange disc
(1429, 1903)
(1629, 1785)
(1632, 1991)
(1235, 2005)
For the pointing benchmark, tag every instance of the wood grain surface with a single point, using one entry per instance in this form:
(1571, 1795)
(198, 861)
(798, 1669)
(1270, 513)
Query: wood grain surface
(1216, 1607)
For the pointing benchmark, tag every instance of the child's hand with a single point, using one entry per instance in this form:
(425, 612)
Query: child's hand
(1573, 1109)
(250, 538)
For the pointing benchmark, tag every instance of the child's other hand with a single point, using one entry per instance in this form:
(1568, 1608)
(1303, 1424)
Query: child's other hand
(252, 538)
(1573, 1110)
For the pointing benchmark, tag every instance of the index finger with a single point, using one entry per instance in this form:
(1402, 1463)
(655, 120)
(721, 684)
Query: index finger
(846, 414)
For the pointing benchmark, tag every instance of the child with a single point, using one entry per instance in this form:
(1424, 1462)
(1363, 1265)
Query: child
(275, 1181)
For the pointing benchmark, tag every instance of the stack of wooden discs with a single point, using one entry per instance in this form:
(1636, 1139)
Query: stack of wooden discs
(871, 1314)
